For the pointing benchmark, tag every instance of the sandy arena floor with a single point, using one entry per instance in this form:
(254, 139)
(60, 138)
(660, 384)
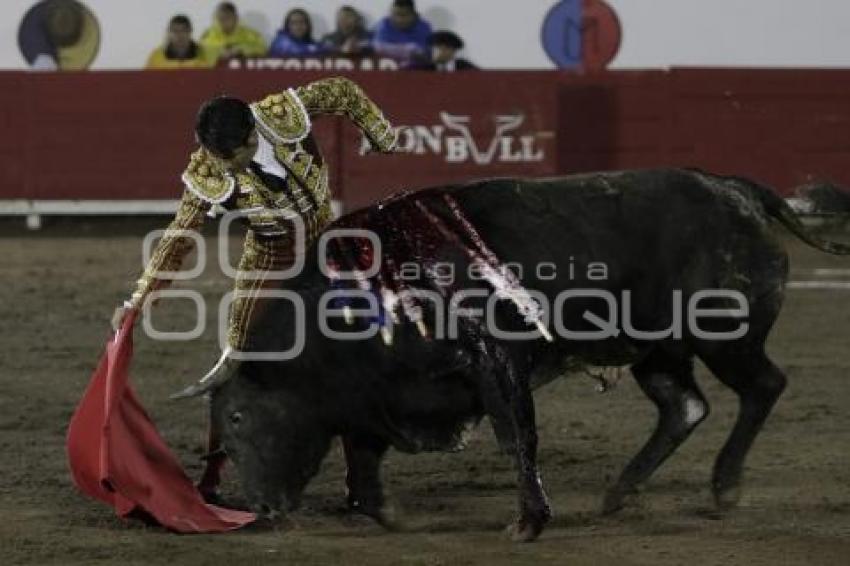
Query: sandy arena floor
(58, 291)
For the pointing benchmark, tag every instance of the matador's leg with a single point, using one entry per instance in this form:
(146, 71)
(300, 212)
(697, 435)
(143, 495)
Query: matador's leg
(258, 259)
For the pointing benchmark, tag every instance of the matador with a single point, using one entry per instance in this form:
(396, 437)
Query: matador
(262, 160)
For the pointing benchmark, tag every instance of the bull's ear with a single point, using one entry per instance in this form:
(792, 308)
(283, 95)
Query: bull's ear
(223, 370)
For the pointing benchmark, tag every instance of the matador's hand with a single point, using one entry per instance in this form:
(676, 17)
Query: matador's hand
(119, 314)
(400, 133)
(403, 137)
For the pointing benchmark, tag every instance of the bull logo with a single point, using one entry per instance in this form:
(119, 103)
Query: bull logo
(453, 139)
(460, 124)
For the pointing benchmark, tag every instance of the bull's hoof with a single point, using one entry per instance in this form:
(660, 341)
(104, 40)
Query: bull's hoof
(726, 497)
(528, 526)
(525, 529)
(387, 515)
(617, 498)
(269, 515)
(210, 496)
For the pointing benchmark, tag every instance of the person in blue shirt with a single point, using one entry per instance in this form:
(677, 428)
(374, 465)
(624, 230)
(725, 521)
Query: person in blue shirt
(295, 39)
(403, 34)
(350, 37)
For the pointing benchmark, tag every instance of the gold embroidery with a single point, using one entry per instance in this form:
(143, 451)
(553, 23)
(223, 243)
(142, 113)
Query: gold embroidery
(172, 247)
(339, 95)
(282, 118)
(259, 256)
(207, 179)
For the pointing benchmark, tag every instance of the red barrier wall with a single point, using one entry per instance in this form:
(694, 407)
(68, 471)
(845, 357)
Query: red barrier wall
(127, 135)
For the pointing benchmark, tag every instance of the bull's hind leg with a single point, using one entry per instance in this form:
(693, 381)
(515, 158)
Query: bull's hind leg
(758, 383)
(668, 381)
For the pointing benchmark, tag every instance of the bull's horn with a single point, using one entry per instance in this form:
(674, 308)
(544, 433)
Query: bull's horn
(544, 331)
(422, 327)
(387, 335)
(220, 373)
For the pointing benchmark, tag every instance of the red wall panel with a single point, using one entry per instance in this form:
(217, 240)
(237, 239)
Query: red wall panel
(782, 127)
(15, 136)
(613, 121)
(127, 135)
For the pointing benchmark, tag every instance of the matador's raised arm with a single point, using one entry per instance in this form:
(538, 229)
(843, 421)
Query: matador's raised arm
(336, 95)
(172, 247)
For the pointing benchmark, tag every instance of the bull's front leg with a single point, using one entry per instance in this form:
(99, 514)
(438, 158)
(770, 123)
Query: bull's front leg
(534, 510)
(497, 406)
(365, 492)
(503, 374)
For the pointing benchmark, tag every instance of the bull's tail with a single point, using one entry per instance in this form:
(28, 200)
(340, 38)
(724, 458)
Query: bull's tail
(823, 199)
(779, 209)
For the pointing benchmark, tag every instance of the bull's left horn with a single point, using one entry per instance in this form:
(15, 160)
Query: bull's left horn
(220, 373)
(544, 331)
(387, 335)
(423, 328)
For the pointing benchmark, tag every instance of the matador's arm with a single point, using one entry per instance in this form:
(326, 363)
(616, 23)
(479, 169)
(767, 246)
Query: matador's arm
(339, 95)
(172, 247)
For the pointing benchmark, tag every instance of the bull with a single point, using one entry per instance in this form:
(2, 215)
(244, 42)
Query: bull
(646, 269)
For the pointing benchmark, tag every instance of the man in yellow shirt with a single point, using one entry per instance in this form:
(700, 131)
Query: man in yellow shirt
(227, 38)
(179, 51)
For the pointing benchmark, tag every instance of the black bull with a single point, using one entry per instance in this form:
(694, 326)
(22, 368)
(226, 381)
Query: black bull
(651, 239)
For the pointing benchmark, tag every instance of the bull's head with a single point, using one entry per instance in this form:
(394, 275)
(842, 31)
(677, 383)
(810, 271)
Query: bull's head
(274, 435)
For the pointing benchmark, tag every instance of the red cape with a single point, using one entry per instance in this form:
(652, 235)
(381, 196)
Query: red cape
(117, 456)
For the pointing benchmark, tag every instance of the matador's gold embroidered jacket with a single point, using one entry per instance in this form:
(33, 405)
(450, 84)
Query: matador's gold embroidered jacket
(283, 122)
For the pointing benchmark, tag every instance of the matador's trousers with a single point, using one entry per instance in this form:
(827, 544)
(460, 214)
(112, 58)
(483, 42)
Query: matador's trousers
(262, 256)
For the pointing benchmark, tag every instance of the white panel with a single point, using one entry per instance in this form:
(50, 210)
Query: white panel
(506, 34)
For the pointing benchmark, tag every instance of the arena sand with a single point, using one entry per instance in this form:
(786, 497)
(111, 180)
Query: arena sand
(60, 285)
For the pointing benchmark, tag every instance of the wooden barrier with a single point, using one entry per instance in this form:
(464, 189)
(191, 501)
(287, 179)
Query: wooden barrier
(127, 135)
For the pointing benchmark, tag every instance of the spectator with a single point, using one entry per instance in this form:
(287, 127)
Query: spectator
(444, 48)
(180, 50)
(296, 36)
(351, 36)
(227, 38)
(403, 34)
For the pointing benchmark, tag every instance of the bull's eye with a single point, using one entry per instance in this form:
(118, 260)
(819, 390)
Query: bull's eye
(235, 417)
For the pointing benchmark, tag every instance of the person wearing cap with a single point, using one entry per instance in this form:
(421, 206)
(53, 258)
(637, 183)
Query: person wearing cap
(180, 51)
(403, 34)
(262, 161)
(444, 49)
(227, 38)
